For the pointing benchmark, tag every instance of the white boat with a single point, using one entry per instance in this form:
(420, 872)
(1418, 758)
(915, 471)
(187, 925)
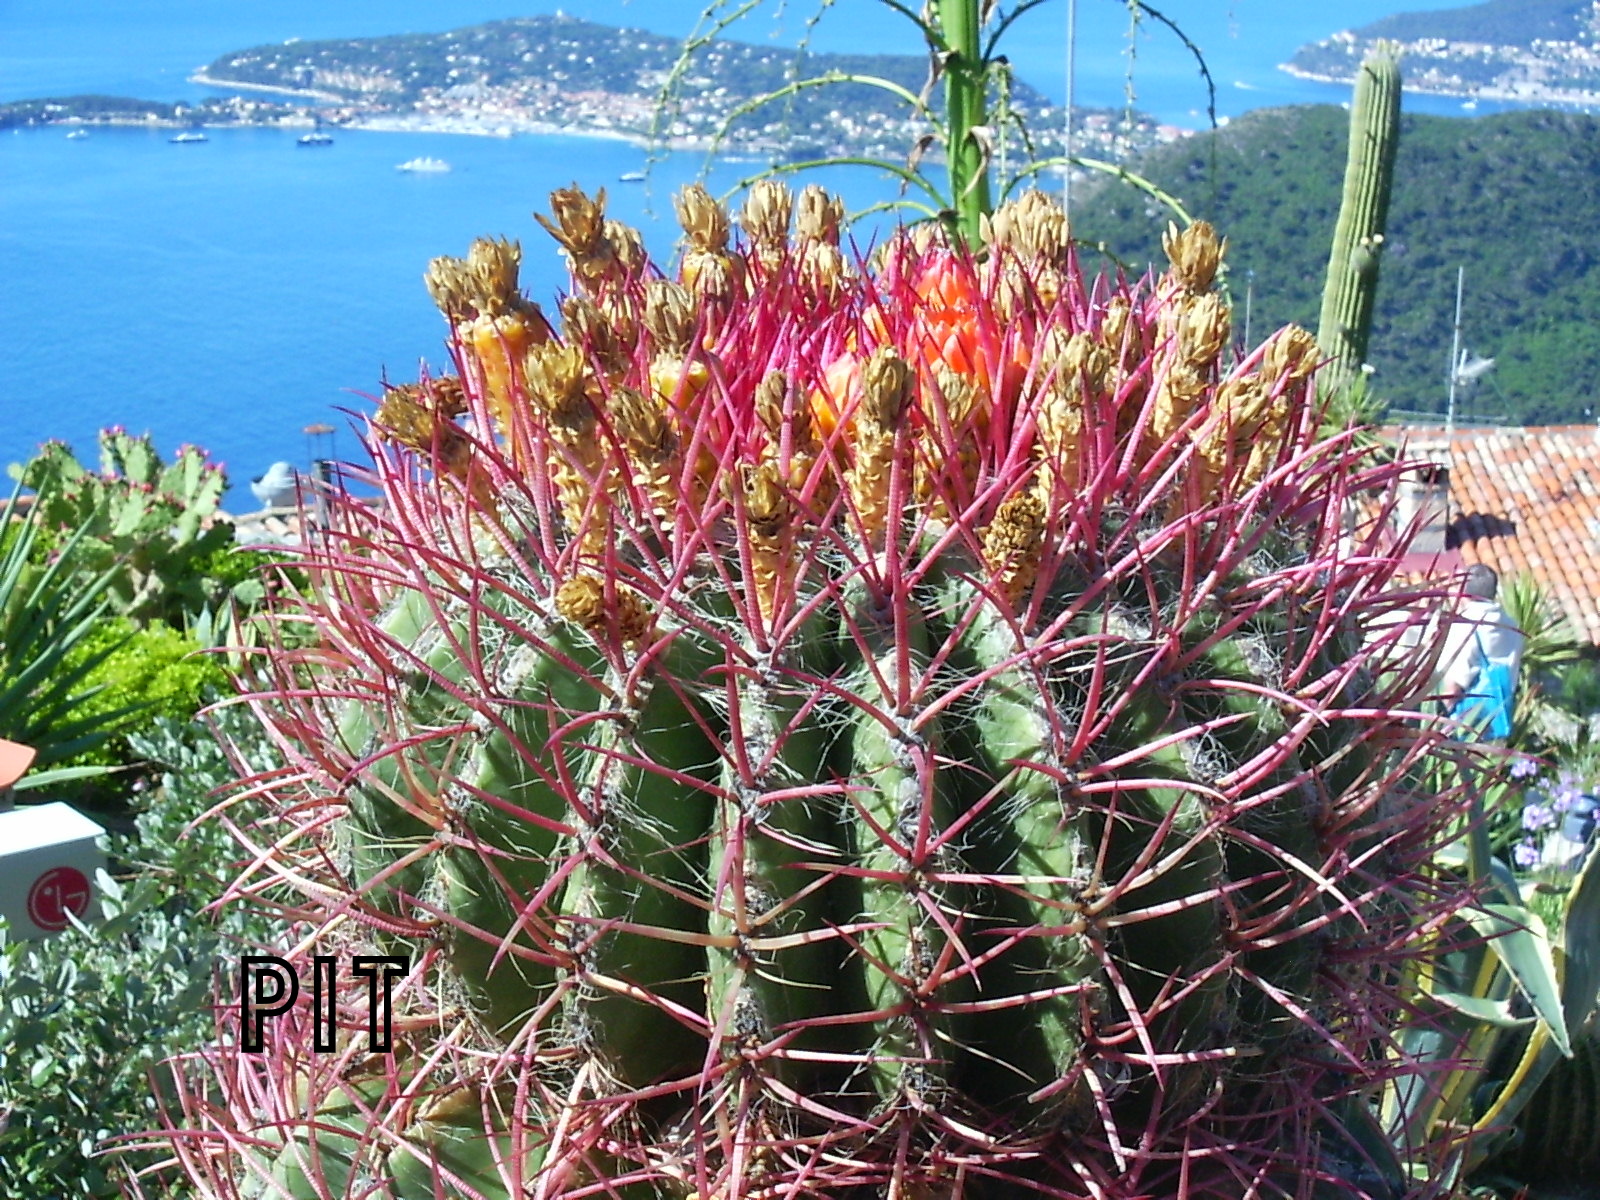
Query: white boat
(77, 135)
(632, 177)
(314, 139)
(426, 166)
(188, 136)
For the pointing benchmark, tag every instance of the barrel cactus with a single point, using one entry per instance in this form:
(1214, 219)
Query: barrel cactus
(837, 728)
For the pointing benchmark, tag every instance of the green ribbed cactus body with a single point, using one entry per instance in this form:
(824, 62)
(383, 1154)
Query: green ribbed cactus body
(902, 811)
(642, 858)
(767, 969)
(862, 735)
(1029, 828)
(1350, 291)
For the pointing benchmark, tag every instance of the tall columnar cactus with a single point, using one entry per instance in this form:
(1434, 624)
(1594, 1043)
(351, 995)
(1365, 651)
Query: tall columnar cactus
(1351, 288)
(826, 730)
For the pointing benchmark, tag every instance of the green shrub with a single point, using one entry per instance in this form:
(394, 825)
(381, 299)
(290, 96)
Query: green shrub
(139, 675)
(86, 1017)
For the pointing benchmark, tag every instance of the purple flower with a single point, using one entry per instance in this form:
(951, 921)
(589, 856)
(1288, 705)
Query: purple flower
(1538, 816)
(1525, 855)
(1525, 768)
(1566, 796)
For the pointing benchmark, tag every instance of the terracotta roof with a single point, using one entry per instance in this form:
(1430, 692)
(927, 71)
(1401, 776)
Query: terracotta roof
(1529, 500)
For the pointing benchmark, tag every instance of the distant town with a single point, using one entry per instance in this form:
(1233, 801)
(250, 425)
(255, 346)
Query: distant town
(1529, 51)
(559, 74)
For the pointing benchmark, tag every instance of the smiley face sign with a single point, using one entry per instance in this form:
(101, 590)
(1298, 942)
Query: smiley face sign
(59, 891)
(49, 857)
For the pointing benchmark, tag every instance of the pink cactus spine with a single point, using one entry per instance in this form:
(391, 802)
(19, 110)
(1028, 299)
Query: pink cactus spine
(829, 729)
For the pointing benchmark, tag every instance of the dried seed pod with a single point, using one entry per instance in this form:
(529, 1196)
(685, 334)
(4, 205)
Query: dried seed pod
(944, 436)
(1034, 228)
(410, 416)
(1082, 374)
(561, 384)
(1012, 545)
(450, 284)
(669, 317)
(627, 248)
(768, 208)
(1203, 328)
(820, 216)
(580, 227)
(769, 515)
(1195, 254)
(604, 607)
(650, 445)
(704, 221)
(1292, 356)
(580, 222)
(494, 264)
(606, 331)
(886, 380)
(886, 391)
(769, 403)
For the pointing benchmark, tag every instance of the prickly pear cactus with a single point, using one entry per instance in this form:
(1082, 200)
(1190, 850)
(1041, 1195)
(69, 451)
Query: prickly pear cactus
(156, 521)
(837, 729)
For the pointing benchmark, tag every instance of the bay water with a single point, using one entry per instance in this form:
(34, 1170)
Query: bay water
(233, 292)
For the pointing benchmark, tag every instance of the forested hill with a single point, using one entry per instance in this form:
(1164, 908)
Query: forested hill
(1495, 22)
(1514, 198)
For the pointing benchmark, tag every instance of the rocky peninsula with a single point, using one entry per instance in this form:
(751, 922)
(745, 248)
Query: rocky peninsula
(1544, 52)
(560, 74)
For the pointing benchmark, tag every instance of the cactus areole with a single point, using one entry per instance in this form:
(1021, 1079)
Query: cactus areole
(844, 729)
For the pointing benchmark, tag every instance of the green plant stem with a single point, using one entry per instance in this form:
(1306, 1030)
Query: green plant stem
(966, 103)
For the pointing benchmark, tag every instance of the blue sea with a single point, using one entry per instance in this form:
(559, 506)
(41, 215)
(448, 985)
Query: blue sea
(231, 293)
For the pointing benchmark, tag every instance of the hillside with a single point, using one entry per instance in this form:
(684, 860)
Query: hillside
(1514, 198)
(1497, 22)
(1545, 51)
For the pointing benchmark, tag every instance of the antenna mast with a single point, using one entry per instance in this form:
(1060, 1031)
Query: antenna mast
(1455, 374)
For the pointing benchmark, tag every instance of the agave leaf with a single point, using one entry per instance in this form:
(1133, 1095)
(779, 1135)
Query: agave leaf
(1517, 938)
(1481, 1008)
(1580, 994)
(1580, 957)
(42, 779)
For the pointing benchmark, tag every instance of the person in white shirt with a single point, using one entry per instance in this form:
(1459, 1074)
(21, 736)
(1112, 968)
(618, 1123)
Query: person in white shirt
(1480, 637)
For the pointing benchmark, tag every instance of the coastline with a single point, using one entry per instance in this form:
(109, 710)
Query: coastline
(1536, 98)
(205, 80)
(495, 126)
(500, 125)
(476, 124)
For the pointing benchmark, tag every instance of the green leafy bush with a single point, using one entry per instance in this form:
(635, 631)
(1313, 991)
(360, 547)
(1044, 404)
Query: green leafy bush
(86, 1017)
(140, 674)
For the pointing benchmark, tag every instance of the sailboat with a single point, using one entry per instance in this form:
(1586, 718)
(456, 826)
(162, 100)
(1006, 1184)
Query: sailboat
(317, 136)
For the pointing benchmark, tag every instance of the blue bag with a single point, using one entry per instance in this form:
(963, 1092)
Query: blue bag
(1487, 705)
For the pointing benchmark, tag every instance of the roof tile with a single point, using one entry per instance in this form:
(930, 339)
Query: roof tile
(1529, 499)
